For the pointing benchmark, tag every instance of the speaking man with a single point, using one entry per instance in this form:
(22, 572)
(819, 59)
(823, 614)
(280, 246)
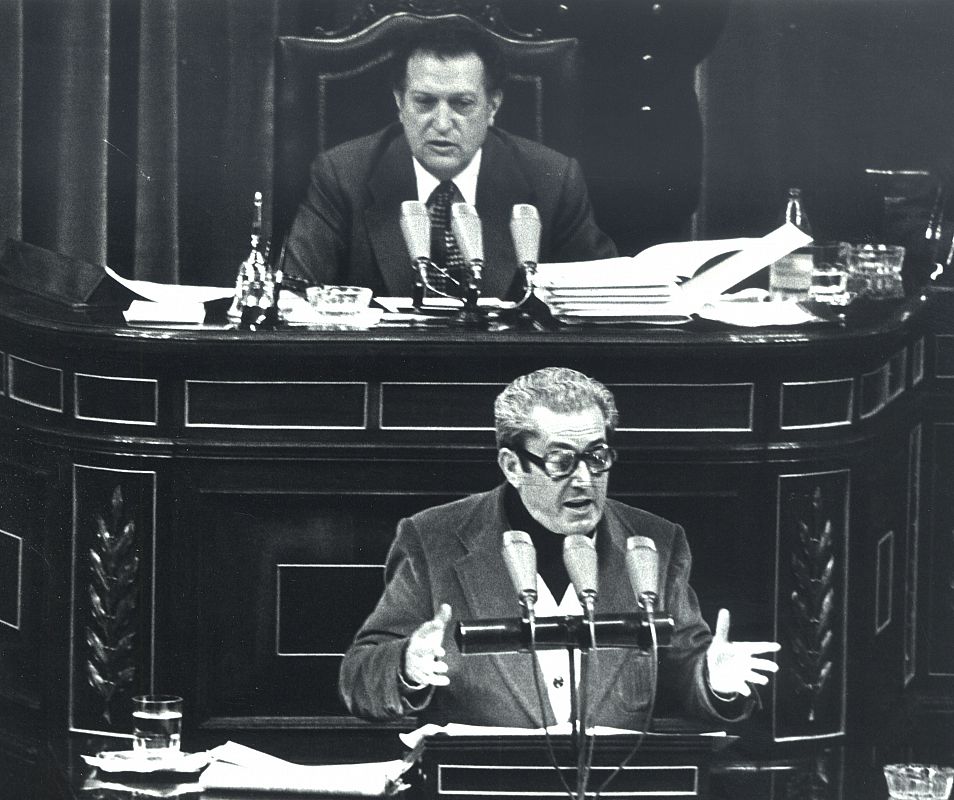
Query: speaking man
(553, 435)
(448, 88)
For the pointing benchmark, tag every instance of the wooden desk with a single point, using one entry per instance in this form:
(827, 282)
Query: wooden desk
(821, 771)
(261, 476)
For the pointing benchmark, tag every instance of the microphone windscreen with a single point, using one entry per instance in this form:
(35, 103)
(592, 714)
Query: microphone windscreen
(525, 230)
(416, 227)
(467, 230)
(520, 556)
(579, 556)
(642, 564)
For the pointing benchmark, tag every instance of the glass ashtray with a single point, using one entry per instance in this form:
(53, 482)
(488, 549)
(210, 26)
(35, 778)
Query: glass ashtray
(918, 781)
(338, 301)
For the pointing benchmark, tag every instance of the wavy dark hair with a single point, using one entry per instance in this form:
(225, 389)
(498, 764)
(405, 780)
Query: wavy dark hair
(559, 389)
(448, 38)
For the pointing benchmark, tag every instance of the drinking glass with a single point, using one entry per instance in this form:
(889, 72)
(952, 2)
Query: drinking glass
(157, 725)
(829, 273)
(874, 271)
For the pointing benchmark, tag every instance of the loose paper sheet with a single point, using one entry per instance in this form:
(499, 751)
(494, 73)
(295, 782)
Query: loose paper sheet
(238, 767)
(171, 292)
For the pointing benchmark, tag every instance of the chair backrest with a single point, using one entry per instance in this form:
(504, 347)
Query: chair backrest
(330, 90)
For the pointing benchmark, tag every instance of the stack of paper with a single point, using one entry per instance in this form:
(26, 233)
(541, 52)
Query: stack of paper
(652, 287)
(611, 289)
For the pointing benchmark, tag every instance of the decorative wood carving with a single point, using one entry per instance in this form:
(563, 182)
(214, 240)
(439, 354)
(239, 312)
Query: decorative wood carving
(488, 14)
(113, 590)
(814, 780)
(813, 602)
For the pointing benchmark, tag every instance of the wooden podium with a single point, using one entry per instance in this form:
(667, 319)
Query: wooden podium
(666, 765)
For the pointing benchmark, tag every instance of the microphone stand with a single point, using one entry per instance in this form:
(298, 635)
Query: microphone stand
(574, 705)
(581, 708)
(421, 266)
(470, 316)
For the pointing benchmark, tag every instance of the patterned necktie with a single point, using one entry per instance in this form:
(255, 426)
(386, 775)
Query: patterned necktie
(444, 250)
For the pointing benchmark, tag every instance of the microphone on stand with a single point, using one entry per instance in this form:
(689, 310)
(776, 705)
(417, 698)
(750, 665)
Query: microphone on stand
(525, 229)
(642, 564)
(465, 224)
(520, 556)
(416, 227)
(579, 557)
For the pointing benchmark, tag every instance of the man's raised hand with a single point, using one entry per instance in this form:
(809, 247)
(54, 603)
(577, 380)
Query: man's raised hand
(733, 665)
(424, 663)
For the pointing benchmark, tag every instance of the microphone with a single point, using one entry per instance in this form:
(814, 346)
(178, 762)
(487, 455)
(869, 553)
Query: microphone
(579, 556)
(416, 227)
(642, 564)
(465, 223)
(520, 556)
(525, 230)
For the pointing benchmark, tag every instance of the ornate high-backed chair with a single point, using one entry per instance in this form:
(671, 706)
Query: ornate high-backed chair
(329, 89)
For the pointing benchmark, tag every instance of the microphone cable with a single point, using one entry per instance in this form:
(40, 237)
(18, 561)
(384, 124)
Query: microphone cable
(588, 745)
(654, 674)
(538, 682)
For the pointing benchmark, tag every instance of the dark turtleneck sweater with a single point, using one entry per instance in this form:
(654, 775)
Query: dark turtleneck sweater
(549, 545)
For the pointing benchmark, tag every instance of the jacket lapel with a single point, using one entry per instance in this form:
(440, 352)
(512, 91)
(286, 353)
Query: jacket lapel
(615, 598)
(489, 593)
(391, 182)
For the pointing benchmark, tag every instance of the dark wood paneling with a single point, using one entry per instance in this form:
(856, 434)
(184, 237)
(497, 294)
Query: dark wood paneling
(686, 407)
(817, 404)
(106, 398)
(940, 572)
(433, 406)
(35, 384)
(276, 404)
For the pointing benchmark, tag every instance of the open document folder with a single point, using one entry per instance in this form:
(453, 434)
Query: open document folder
(647, 287)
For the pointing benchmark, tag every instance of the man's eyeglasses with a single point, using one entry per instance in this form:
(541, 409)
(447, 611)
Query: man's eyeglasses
(562, 462)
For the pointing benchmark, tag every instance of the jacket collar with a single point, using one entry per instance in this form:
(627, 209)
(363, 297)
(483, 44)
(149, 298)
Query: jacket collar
(500, 185)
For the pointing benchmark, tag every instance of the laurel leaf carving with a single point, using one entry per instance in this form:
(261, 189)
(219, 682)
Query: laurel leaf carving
(813, 601)
(113, 596)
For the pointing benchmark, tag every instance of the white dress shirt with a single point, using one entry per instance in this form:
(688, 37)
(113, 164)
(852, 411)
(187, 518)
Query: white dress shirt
(555, 664)
(465, 180)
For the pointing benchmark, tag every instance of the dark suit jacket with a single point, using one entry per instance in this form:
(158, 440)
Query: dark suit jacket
(451, 554)
(347, 230)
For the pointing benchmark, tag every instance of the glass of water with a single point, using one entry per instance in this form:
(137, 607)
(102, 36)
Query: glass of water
(157, 725)
(830, 273)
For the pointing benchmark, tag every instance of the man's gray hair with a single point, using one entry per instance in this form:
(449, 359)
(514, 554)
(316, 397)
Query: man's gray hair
(561, 390)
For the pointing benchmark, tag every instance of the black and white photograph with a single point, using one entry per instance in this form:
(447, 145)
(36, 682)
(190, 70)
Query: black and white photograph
(477, 399)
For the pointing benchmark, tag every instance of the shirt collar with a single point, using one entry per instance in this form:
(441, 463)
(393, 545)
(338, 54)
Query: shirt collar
(465, 180)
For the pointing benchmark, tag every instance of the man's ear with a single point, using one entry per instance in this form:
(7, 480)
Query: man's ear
(511, 467)
(494, 101)
(398, 98)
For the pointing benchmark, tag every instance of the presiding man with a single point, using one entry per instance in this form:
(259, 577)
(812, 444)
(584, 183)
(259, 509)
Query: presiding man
(448, 88)
(553, 436)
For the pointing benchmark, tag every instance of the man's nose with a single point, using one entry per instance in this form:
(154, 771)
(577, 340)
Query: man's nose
(443, 117)
(582, 474)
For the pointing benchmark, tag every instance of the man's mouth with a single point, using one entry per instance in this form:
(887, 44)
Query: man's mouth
(579, 503)
(441, 145)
